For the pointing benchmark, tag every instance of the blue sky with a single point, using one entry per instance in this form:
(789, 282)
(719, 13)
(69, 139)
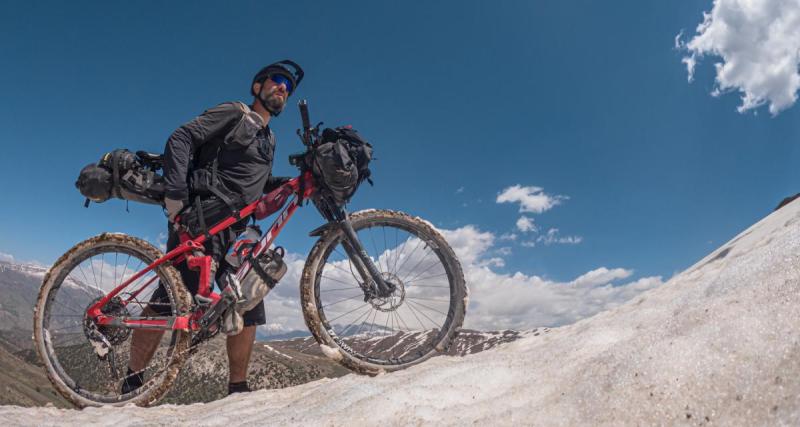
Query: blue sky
(587, 100)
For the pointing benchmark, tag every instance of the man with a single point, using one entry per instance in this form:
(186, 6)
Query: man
(236, 144)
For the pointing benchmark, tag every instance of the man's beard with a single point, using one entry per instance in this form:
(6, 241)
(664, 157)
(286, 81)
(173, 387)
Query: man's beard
(275, 103)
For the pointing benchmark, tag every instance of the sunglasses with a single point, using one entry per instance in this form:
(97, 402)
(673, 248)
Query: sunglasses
(281, 79)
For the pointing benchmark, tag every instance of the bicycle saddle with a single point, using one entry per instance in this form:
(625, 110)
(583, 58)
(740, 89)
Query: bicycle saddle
(152, 159)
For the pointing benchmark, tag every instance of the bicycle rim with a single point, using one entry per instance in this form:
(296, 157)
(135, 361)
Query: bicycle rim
(417, 319)
(71, 355)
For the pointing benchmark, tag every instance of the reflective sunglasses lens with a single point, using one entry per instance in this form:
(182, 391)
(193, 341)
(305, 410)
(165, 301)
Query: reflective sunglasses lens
(280, 79)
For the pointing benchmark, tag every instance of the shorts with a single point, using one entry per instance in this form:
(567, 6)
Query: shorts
(217, 247)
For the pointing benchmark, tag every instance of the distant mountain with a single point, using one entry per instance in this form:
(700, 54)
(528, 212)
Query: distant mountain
(466, 342)
(262, 334)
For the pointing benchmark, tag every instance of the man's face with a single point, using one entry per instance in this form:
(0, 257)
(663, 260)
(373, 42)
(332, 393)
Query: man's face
(274, 95)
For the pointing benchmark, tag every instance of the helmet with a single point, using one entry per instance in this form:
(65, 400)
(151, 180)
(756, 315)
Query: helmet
(295, 75)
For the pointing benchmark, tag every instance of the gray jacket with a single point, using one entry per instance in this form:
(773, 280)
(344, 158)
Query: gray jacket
(246, 151)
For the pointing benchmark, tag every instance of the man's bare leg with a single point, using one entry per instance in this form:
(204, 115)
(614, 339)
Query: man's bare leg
(239, 349)
(143, 344)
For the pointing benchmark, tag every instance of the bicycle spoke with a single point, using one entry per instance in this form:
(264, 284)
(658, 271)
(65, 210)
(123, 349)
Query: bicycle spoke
(430, 286)
(365, 319)
(409, 256)
(339, 289)
(377, 254)
(102, 264)
(342, 300)
(126, 267)
(91, 264)
(421, 272)
(400, 318)
(423, 314)
(372, 323)
(339, 281)
(365, 315)
(414, 268)
(432, 309)
(387, 324)
(428, 299)
(342, 269)
(411, 309)
(115, 268)
(426, 278)
(383, 230)
(345, 314)
(399, 255)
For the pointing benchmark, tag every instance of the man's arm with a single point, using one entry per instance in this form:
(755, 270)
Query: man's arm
(187, 139)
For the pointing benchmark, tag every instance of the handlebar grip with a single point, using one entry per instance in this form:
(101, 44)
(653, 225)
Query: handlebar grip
(304, 114)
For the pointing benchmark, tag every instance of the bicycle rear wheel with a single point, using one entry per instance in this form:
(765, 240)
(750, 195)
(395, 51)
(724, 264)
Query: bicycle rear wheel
(67, 341)
(373, 335)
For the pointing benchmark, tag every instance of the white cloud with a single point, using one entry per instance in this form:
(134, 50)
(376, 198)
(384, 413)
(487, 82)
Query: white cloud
(508, 236)
(505, 251)
(525, 224)
(460, 190)
(161, 241)
(531, 199)
(552, 237)
(601, 276)
(497, 300)
(758, 42)
(6, 257)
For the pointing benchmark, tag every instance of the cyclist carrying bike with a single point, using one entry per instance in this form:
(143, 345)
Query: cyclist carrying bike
(223, 155)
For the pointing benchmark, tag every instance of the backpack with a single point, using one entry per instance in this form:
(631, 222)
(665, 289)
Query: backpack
(341, 163)
(123, 175)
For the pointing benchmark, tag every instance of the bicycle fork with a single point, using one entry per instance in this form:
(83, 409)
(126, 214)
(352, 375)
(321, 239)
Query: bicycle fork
(373, 283)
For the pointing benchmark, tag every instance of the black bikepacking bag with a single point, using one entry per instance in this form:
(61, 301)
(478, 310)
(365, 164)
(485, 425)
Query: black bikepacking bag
(123, 175)
(341, 162)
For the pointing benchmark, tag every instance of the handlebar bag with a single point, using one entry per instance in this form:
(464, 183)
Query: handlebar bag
(341, 162)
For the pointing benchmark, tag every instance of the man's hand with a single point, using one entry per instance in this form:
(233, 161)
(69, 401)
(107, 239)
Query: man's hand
(173, 207)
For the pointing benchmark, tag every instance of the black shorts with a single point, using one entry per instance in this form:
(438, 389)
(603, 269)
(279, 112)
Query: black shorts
(217, 247)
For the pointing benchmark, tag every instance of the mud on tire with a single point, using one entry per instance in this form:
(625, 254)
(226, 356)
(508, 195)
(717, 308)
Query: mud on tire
(154, 387)
(335, 346)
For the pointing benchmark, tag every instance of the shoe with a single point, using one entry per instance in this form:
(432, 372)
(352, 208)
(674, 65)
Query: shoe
(132, 382)
(241, 387)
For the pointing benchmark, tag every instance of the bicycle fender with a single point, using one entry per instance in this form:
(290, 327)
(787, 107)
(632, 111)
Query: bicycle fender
(319, 231)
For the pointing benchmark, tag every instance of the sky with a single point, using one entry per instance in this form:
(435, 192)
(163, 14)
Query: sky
(573, 152)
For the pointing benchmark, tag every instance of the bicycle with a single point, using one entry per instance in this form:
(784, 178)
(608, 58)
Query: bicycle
(356, 303)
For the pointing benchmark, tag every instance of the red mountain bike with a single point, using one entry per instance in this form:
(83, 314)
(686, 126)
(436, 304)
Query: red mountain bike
(373, 279)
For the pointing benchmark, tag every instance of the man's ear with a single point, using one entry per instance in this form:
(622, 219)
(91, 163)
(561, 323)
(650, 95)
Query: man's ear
(256, 89)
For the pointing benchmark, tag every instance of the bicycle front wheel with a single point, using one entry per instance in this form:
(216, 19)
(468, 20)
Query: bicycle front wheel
(373, 335)
(67, 341)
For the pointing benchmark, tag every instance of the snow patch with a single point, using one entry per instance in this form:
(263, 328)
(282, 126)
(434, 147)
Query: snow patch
(331, 353)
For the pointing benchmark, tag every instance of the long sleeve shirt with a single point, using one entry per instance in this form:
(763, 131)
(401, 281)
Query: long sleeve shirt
(243, 147)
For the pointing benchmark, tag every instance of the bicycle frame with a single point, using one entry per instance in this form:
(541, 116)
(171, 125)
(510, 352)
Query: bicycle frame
(302, 187)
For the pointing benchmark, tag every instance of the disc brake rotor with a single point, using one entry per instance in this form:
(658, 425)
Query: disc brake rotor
(393, 301)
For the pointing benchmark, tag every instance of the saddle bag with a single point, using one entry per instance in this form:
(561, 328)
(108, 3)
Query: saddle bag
(123, 175)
